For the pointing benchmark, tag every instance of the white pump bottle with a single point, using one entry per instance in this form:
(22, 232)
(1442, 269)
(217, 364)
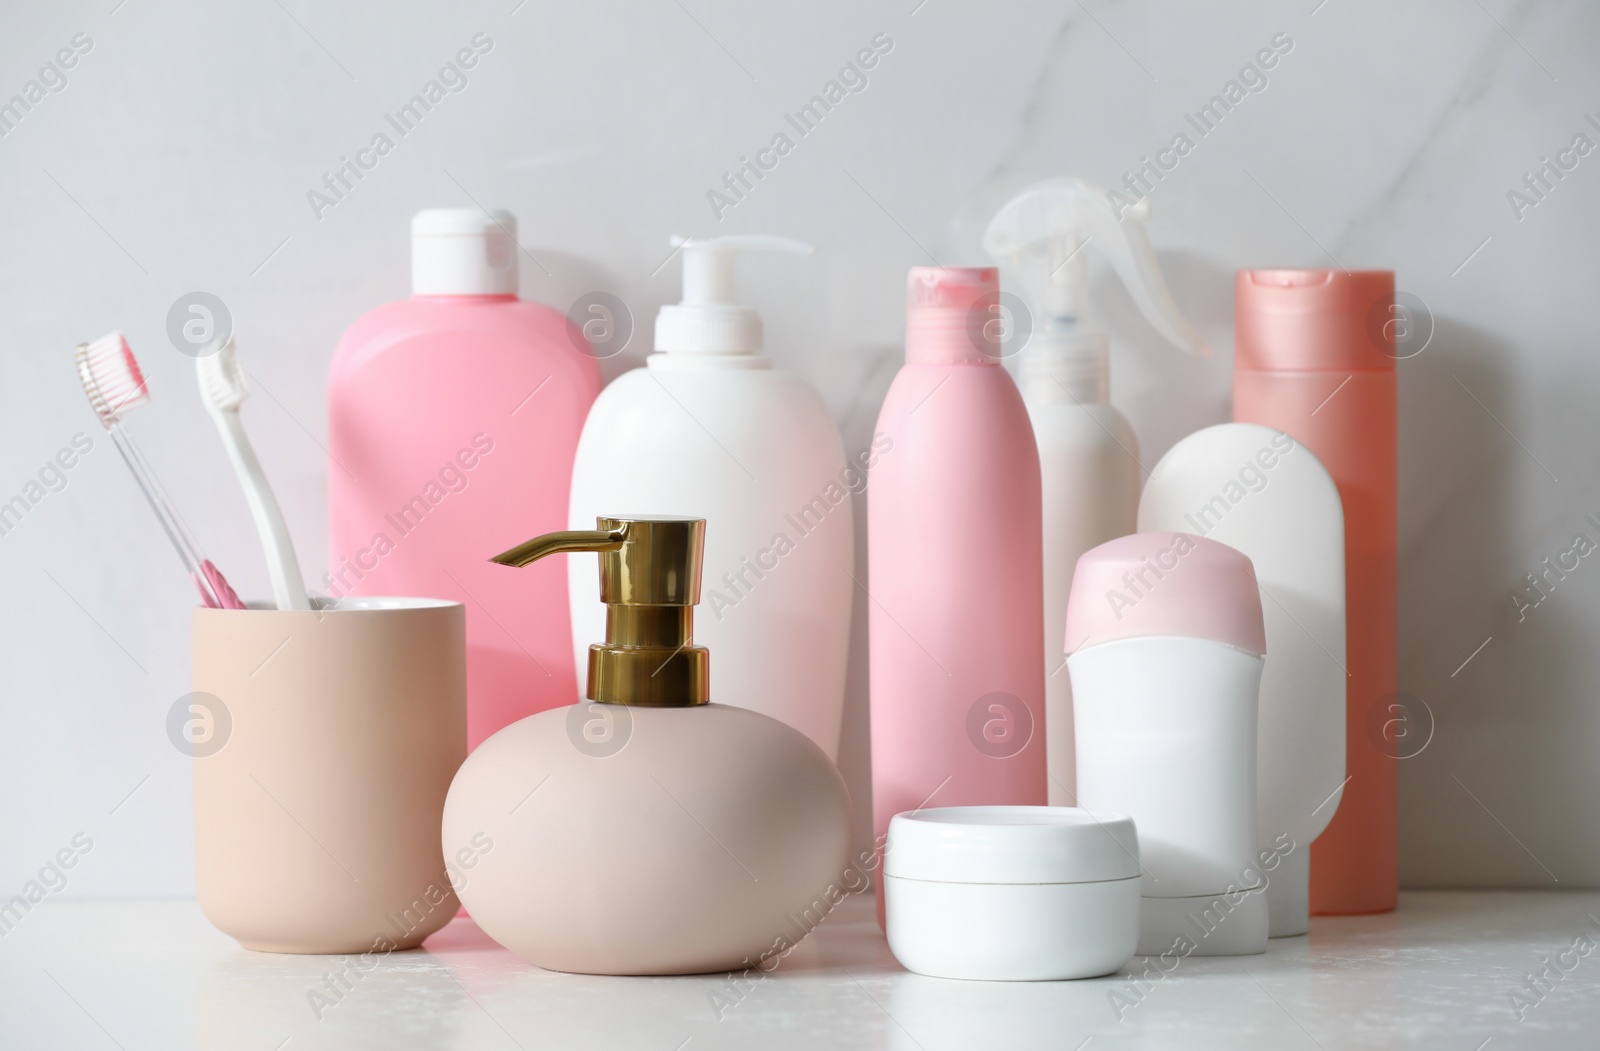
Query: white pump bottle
(710, 429)
(1088, 454)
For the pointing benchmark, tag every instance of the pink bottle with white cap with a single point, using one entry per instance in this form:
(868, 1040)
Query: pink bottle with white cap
(453, 417)
(1166, 646)
(955, 595)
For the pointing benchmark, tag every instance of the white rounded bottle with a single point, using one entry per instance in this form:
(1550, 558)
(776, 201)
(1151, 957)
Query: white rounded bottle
(1261, 492)
(1088, 454)
(710, 429)
(1167, 649)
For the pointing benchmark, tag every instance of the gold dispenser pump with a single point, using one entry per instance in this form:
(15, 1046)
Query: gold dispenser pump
(650, 583)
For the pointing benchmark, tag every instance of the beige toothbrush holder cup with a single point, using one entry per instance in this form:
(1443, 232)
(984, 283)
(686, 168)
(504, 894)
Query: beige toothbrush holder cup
(332, 737)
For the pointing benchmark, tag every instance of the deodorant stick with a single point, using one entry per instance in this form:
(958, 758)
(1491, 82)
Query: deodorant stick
(1165, 648)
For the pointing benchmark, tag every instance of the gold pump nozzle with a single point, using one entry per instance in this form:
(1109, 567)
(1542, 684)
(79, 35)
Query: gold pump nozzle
(650, 583)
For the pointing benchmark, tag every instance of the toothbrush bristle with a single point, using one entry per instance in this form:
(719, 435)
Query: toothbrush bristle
(111, 377)
(222, 378)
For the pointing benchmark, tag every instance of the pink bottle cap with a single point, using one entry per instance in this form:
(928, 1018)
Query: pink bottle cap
(1165, 584)
(949, 310)
(1314, 320)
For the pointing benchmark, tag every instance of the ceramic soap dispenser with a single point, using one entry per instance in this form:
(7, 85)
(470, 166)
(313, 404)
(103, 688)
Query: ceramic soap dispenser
(647, 831)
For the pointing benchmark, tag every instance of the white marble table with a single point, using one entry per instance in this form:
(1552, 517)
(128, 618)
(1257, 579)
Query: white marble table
(1440, 973)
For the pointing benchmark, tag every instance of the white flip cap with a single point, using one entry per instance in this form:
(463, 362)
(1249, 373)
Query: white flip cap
(708, 321)
(463, 252)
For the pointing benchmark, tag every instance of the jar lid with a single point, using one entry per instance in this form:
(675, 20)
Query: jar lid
(1011, 844)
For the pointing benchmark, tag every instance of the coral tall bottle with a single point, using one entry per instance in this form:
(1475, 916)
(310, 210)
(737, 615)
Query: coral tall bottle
(453, 417)
(1315, 358)
(953, 534)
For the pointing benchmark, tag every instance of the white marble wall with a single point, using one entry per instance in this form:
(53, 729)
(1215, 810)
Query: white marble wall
(179, 152)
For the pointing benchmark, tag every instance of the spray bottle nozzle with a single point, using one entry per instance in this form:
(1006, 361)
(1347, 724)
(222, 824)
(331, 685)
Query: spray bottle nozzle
(1047, 230)
(708, 321)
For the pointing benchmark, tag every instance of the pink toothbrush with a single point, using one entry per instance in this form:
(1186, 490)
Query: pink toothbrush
(114, 384)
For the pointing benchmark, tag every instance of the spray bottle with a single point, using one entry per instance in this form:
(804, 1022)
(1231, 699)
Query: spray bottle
(1088, 454)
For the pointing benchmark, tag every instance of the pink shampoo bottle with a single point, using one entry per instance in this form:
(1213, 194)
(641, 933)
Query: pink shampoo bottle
(956, 557)
(453, 417)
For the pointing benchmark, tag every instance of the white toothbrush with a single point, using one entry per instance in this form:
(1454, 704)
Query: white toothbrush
(111, 378)
(223, 389)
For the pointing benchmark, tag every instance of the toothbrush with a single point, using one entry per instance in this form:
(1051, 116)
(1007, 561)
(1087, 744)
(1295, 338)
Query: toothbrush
(114, 384)
(223, 388)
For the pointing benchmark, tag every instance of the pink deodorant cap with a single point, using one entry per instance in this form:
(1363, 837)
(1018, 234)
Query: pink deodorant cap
(949, 310)
(1314, 320)
(1165, 584)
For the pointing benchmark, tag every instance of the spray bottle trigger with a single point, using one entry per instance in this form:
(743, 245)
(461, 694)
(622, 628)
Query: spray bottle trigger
(1053, 222)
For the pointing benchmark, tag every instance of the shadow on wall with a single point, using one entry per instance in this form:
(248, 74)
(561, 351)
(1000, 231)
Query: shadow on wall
(1165, 392)
(856, 423)
(619, 322)
(1501, 681)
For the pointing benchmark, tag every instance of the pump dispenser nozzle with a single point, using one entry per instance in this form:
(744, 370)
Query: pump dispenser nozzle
(1043, 233)
(708, 321)
(650, 583)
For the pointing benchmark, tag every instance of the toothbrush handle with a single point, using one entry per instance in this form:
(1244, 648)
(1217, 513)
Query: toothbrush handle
(163, 513)
(179, 528)
(288, 587)
(228, 598)
(215, 591)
